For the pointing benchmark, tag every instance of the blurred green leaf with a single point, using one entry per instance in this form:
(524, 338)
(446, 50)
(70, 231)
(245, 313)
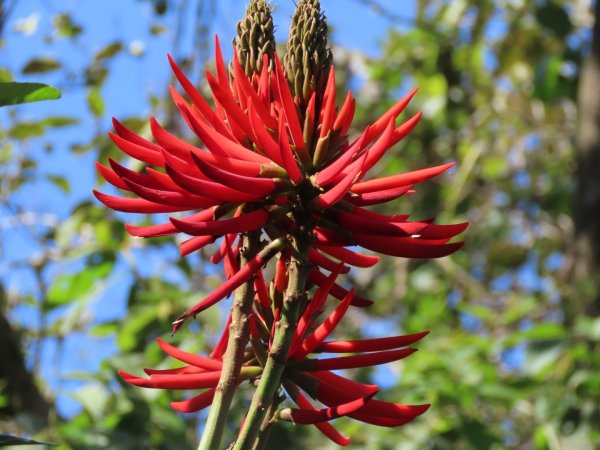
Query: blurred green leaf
(66, 27)
(95, 102)
(41, 65)
(60, 182)
(109, 51)
(68, 288)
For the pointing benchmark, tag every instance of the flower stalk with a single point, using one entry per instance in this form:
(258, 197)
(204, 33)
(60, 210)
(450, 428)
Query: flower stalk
(234, 355)
(285, 328)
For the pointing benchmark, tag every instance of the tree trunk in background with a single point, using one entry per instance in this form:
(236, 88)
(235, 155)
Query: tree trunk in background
(17, 382)
(587, 200)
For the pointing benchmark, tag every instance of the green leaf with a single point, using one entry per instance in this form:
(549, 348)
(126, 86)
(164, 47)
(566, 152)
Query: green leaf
(5, 75)
(70, 288)
(13, 93)
(95, 102)
(60, 182)
(7, 440)
(66, 27)
(109, 51)
(41, 65)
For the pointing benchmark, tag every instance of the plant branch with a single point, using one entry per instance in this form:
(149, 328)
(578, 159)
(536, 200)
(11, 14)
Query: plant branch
(284, 332)
(234, 355)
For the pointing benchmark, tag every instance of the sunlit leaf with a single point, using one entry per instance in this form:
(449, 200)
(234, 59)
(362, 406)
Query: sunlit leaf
(13, 93)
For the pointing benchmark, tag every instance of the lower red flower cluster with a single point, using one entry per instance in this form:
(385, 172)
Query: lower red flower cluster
(305, 377)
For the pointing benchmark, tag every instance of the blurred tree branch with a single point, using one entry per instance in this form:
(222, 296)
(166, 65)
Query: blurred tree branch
(587, 199)
(23, 394)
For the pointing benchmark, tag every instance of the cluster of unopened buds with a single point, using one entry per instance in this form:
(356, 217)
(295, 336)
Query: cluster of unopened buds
(279, 182)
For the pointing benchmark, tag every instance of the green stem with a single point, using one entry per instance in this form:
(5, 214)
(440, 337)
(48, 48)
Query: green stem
(276, 362)
(238, 339)
(265, 428)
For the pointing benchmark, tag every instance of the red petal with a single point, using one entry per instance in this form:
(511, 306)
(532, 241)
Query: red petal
(309, 415)
(324, 427)
(250, 93)
(393, 112)
(289, 108)
(329, 104)
(325, 329)
(402, 179)
(221, 70)
(188, 200)
(194, 404)
(324, 262)
(260, 286)
(406, 247)
(210, 189)
(287, 157)
(329, 173)
(136, 205)
(245, 222)
(378, 197)
(221, 346)
(194, 244)
(345, 116)
(234, 112)
(182, 150)
(177, 381)
(225, 289)
(336, 193)
(110, 176)
(365, 360)
(254, 186)
(219, 144)
(138, 152)
(364, 225)
(265, 141)
(371, 345)
(130, 136)
(189, 358)
(165, 229)
(349, 256)
(197, 99)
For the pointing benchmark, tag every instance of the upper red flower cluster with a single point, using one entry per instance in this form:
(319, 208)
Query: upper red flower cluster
(263, 157)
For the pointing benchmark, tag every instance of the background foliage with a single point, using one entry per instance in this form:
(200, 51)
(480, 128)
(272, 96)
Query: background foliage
(512, 361)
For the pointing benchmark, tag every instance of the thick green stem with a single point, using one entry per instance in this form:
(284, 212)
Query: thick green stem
(234, 355)
(238, 339)
(265, 428)
(276, 362)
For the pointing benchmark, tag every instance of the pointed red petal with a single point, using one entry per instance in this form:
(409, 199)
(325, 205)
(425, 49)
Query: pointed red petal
(402, 179)
(245, 222)
(189, 358)
(196, 403)
(371, 345)
(255, 186)
(325, 329)
(136, 205)
(195, 244)
(349, 256)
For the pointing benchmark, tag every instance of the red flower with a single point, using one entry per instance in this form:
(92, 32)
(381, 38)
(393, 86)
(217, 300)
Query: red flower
(304, 376)
(263, 160)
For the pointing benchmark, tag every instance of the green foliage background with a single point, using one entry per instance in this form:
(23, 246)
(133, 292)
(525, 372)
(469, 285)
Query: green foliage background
(498, 87)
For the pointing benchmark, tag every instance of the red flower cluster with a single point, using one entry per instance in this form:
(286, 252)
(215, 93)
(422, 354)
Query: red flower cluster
(304, 376)
(275, 169)
(266, 162)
